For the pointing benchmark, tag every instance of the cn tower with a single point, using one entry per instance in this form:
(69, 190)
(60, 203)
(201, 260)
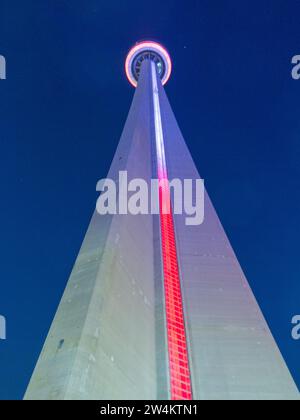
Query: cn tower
(155, 309)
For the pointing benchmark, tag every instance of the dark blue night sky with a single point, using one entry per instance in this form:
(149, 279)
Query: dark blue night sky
(63, 107)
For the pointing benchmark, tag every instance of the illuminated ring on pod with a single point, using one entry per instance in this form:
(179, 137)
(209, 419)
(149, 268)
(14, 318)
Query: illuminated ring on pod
(147, 50)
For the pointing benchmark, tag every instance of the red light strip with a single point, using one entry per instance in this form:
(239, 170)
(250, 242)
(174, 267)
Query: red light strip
(180, 379)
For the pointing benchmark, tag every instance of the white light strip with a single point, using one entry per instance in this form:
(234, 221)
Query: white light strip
(159, 138)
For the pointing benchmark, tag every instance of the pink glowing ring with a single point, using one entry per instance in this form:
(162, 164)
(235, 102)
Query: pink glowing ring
(151, 50)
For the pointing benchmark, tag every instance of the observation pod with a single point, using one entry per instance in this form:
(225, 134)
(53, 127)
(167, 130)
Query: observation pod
(148, 50)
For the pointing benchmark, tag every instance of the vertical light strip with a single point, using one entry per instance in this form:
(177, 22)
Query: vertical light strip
(180, 379)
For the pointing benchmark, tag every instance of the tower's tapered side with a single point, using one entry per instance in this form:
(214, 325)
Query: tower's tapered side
(107, 337)
(233, 354)
(156, 309)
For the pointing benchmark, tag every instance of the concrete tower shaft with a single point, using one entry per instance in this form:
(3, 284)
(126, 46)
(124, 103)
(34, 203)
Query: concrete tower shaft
(114, 334)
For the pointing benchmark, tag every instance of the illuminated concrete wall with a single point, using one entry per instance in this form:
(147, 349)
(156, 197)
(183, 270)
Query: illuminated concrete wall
(107, 338)
(233, 354)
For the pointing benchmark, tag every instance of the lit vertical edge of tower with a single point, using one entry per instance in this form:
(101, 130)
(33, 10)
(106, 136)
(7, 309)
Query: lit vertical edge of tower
(179, 371)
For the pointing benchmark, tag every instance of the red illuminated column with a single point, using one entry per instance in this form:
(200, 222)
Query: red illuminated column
(180, 379)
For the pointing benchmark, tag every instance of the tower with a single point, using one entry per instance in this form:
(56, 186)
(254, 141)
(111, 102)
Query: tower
(155, 308)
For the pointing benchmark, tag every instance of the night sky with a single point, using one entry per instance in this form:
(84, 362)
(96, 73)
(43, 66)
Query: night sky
(63, 107)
